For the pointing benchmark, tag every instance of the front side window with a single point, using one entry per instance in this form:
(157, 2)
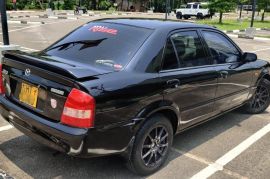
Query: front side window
(189, 49)
(221, 49)
(195, 6)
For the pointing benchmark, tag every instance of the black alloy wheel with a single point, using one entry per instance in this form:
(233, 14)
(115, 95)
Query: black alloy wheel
(151, 146)
(155, 146)
(261, 98)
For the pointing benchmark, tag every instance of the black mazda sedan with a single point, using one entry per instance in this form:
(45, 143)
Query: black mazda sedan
(127, 86)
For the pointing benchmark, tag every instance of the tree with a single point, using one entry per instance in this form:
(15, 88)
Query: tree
(241, 3)
(263, 5)
(222, 6)
(68, 4)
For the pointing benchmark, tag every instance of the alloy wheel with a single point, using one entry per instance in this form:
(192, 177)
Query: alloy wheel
(155, 146)
(261, 98)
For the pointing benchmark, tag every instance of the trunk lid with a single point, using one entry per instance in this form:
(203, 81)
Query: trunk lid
(68, 68)
(42, 85)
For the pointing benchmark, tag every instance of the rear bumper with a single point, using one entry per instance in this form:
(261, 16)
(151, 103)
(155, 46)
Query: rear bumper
(55, 135)
(73, 141)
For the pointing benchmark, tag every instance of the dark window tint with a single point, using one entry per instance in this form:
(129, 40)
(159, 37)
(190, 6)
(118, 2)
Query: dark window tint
(195, 6)
(170, 60)
(222, 50)
(189, 49)
(102, 45)
(188, 6)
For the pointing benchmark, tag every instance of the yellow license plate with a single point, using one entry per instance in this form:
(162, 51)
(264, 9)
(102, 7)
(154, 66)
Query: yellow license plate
(29, 95)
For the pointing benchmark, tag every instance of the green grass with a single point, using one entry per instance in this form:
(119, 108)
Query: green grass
(234, 24)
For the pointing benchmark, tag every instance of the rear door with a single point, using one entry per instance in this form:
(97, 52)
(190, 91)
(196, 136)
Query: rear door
(235, 76)
(189, 80)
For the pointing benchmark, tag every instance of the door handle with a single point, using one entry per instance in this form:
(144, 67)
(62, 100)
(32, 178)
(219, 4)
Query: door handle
(224, 74)
(174, 83)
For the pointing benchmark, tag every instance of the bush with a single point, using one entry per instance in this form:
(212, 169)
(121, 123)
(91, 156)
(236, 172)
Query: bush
(20, 6)
(9, 5)
(104, 4)
(68, 4)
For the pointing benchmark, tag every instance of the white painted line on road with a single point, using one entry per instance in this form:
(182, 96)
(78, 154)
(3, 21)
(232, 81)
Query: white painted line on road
(14, 22)
(5, 128)
(29, 49)
(262, 38)
(208, 162)
(264, 49)
(14, 30)
(25, 48)
(229, 156)
(232, 35)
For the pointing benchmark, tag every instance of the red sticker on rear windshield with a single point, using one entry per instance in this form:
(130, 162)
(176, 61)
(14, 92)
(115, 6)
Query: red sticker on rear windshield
(103, 29)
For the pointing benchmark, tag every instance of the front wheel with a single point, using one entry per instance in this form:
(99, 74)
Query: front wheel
(261, 99)
(151, 146)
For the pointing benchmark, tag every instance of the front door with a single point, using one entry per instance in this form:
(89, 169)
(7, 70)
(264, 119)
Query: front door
(189, 80)
(235, 77)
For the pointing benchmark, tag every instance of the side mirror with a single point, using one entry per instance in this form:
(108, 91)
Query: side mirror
(249, 57)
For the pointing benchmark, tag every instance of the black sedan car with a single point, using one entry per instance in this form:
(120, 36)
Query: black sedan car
(127, 86)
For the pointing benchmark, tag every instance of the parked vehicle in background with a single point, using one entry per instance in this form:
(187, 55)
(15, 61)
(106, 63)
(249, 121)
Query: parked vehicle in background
(196, 9)
(78, 9)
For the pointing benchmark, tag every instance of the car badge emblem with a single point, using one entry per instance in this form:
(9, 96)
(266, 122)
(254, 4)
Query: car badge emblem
(27, 72)
(53, 103)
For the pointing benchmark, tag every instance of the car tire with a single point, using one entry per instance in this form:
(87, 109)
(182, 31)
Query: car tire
(199, 16)
(151, 146)
(179, 15)
(261, 99)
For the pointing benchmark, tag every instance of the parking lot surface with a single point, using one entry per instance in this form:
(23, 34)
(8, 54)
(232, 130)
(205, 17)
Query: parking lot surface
(235, 145)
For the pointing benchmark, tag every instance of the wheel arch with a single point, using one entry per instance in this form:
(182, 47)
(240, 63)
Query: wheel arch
(171, 112)
(264, 75)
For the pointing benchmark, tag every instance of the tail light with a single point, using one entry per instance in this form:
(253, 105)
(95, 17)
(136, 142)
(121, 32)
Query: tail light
(2, 89)
(79, 110)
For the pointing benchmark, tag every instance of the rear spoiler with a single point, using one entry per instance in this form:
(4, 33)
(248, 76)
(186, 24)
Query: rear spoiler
(56, 66)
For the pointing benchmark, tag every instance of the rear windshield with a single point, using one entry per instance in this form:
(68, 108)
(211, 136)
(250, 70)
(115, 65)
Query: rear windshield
(103, 45)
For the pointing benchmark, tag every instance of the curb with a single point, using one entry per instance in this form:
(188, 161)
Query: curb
(246, 37)
(24, 22)
(61, 17)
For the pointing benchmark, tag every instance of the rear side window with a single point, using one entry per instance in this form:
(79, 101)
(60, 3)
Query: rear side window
(170, 60)
(103, 45)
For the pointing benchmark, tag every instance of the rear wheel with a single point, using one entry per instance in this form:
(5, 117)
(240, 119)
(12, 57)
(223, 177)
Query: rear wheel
(179, 15)
(199, 16)
(151, 146)
(261, 99)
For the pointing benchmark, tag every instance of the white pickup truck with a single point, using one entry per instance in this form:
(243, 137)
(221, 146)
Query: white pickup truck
(193, 9)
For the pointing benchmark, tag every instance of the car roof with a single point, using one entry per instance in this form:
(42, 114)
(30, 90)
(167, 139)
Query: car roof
(154, 23)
